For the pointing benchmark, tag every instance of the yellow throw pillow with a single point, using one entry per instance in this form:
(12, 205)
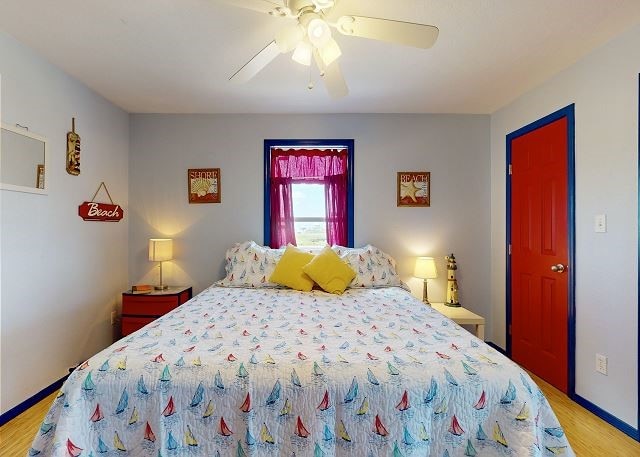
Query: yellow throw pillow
(288, 271)
(329, 271)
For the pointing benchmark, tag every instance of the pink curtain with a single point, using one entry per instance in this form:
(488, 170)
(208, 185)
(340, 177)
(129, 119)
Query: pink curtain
(328, 167)
(282, 228)
(335, 191)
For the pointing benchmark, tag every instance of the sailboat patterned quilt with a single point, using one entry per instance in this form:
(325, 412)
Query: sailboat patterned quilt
(274, 372)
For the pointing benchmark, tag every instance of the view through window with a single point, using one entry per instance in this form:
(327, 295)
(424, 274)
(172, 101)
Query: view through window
(309, 214)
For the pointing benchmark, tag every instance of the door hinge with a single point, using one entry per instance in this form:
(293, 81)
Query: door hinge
(509, 248)
(510, 169)
(509, 329)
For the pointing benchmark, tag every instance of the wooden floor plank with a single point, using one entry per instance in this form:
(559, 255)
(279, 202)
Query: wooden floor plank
(17, 435)
(588, 434)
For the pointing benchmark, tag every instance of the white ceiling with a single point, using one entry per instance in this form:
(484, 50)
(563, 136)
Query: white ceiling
(175, 56)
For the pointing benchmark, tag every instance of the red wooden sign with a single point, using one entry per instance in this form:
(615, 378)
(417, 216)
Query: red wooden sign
(103, 212)
(100, 212)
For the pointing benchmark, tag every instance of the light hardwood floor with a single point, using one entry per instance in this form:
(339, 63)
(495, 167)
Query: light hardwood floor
(588, 434)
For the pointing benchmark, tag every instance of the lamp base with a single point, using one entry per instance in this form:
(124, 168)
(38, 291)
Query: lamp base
(453, 305)
(425, 298)
(165, 287)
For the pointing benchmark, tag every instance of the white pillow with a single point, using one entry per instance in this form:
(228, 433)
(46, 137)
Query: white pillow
(250, 265)
(373, 267)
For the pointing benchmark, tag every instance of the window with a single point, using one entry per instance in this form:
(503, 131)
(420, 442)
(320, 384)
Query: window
(309, 214)
(308, 192)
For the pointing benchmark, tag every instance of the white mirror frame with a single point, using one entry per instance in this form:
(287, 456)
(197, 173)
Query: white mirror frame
(29, 134)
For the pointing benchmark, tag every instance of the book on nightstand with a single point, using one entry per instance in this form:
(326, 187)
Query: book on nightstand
(141, 289)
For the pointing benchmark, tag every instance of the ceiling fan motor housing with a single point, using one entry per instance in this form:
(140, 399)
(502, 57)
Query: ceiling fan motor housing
(299, 6)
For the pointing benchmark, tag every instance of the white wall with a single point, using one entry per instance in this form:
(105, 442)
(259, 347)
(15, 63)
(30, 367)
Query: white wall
(60, 276)
(453, 147)
(604, 88)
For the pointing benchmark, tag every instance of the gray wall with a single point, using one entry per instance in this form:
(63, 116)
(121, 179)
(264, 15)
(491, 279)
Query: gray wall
(60, 277)
(453, 147)
(604, 88)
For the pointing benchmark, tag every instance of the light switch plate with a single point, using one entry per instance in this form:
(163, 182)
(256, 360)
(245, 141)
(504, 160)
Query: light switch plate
(600, 223)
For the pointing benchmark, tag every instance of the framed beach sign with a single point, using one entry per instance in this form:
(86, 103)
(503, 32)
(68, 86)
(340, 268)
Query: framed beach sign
(203, 185)
(414, 188)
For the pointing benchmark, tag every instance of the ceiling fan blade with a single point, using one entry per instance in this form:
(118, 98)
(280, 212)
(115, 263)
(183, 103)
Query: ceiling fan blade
(405, 33)
(273, 7)
(256, 64)
(334, 81)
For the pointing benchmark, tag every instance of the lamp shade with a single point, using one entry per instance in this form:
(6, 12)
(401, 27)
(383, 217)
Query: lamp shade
(425, 268)
(160, 249)
(302, 53)
(288, 38)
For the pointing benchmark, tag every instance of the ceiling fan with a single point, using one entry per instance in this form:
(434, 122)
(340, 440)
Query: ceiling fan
(310, 37)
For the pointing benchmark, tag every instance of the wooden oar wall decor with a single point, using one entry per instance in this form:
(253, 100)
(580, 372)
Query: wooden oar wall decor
(73, 150)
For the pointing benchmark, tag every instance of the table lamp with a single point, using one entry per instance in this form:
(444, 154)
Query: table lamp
(160, 250)
(425, 269)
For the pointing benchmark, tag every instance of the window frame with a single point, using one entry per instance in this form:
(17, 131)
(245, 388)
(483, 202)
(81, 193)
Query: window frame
(347, 144)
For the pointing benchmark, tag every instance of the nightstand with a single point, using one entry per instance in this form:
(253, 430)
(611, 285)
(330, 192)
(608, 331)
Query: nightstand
(462, 316)
(140, 309)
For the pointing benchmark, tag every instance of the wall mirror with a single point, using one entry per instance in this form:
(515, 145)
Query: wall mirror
(23, 160)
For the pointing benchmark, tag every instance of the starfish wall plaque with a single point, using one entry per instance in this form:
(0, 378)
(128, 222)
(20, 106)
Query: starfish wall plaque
(414, 188)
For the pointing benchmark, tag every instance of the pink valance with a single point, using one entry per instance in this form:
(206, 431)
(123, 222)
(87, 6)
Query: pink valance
(308, 164)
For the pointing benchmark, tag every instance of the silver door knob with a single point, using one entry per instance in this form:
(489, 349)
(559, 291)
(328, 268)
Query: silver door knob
(559, 268)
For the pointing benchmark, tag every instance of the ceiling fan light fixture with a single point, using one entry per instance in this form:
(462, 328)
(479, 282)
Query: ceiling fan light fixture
(323, 4)
(319, 32)
(302, 54)
(330, 52)
(288, 38)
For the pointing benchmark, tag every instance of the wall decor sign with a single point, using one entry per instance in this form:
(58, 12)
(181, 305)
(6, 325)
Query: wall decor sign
(100, 212)
(414, 188)
(73, 150)
(40, 176)
(203, 185)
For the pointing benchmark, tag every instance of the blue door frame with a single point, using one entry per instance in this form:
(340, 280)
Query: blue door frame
(268, 144)
(567, 112)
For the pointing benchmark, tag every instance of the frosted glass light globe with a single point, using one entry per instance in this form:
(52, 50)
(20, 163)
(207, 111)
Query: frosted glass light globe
(319, 32)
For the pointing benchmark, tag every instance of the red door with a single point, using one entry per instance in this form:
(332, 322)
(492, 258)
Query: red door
(539, 252)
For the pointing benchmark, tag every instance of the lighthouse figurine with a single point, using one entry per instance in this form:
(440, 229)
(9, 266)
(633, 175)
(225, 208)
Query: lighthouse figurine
(452, 282)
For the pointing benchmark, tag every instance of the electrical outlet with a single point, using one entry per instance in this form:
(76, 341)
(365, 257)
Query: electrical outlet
(114, 317)
(601, 364)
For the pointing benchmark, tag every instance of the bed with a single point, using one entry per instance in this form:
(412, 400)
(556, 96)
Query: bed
(260, 371)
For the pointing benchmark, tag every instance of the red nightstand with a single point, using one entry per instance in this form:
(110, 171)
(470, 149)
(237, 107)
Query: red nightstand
(140, 309)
